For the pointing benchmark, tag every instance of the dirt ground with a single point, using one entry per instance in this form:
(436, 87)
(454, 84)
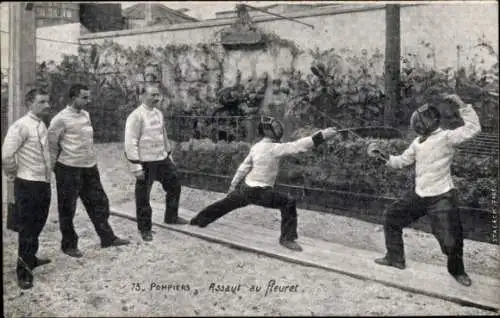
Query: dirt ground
(104, 281)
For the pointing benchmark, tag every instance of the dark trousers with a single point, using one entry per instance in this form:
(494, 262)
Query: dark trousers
(445, 222)
(32, 211)
(83, 183)
(165, 172)
(266, 197)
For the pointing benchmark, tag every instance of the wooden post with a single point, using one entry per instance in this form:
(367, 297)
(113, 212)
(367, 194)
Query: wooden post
(392, 63)
(148, 13)
(22, 66)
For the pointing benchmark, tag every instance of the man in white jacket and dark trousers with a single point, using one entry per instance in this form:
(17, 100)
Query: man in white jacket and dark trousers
(71, 141)
(434, 195)
(260, 169)
(26, 161)
(148, 151)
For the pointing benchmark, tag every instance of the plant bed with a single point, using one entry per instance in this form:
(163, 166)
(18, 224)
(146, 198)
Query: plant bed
(344, 166)
(339, 177)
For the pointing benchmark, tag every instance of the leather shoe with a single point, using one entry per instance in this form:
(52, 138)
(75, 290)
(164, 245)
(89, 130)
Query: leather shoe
(147, 236)
(25, 282)
(463, 279)
(116, 242)
(292, 245)
(196, 222)
(73, 252)
(179, 221)
(389, 262)
(42, 261)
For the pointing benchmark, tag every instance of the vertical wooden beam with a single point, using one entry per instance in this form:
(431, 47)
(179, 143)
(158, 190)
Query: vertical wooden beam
(392, 63)
(148, 13)
(22, 65)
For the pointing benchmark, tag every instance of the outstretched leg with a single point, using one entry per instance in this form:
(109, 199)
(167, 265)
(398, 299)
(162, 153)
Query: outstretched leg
(220, 208)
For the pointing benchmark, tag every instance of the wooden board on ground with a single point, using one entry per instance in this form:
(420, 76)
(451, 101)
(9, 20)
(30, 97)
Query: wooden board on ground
(427, 279)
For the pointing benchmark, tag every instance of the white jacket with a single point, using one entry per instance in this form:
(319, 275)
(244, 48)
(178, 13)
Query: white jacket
(25, 151)
(145, 137)
(261, 166)
(433, 157)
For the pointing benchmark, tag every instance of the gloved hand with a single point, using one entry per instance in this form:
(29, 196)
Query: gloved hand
(455, 99)
(375, 152)
(328, 132)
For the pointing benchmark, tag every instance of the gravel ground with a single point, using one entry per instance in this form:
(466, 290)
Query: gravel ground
(102, 282)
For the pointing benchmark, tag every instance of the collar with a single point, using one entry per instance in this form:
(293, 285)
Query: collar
(438, 130)
(266, 140)
(73, 109)
(421, 139)
(147, 107)
(33, 116)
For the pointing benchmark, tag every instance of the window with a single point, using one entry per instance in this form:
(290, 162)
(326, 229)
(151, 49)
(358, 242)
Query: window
(58, 12)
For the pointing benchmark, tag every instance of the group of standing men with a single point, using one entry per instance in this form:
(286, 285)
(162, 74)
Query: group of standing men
(31, 151)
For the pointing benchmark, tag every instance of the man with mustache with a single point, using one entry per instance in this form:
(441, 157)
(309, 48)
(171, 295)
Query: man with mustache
(71, 141)
(149, 153)
(26, 161)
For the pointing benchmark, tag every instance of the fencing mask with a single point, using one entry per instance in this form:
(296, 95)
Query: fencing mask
(270, 127)
(425, 120)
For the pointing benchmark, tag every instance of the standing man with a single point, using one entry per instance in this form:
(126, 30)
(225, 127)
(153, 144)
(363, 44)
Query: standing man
(435, 195)
(72, 151)
(149, 153)
(26, 161)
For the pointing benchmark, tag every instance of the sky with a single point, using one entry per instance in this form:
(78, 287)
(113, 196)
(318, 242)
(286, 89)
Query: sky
(203, 10)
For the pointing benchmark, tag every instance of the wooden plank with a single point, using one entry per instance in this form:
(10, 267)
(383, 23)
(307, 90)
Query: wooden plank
(427, 279)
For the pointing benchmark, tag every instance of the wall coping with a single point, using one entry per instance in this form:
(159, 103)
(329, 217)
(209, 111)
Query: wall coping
(318, 11)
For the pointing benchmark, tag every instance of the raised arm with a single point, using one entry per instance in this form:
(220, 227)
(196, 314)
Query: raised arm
(242, 171)
(13, 141)
(471, 126)
(54, 133)
(132, 136)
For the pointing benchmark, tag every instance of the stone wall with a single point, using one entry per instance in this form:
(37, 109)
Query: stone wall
(53, 42)
(356, 27)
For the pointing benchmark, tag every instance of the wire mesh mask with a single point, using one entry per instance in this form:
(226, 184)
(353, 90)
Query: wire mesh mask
(270, 127)
(425, 120)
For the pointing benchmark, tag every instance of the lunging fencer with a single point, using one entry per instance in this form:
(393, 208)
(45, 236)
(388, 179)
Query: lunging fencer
(260, 169)
(148, 152)
(26, 161)
(434, 194)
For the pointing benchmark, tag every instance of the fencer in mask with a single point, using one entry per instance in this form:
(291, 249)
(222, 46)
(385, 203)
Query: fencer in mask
(434, 194)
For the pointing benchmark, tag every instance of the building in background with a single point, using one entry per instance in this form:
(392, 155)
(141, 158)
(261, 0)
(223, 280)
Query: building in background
(55, 13)
(136, 16)
(102, 17)
(95, 17)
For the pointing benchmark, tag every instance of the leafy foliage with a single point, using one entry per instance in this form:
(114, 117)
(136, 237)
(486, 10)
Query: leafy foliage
(342, 84)
(344, 165)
